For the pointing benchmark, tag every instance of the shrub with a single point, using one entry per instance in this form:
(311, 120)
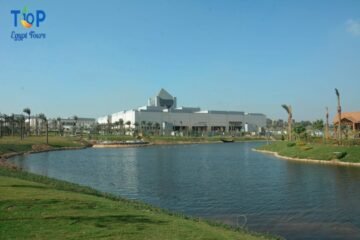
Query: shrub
(340, 155)
(291, 144)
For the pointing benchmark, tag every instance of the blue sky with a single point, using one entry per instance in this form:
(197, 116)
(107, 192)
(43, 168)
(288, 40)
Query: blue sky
(101, 57)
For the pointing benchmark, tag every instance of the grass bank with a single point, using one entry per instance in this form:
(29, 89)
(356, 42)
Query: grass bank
(315, 151)
(36, 207)
(10, 145)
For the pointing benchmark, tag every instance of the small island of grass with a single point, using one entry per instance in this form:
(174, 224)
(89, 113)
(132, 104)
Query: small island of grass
(314, 151)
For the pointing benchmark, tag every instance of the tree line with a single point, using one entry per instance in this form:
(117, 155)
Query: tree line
(300, 128)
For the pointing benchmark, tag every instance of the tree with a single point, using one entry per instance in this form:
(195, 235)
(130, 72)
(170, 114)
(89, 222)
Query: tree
(75, 124)
(128, 123)
(59, 125)
(117, 126)
(121, 123)
(5, 125)
(1, 124)
(157, 128)
(327, 124)
(43, 118)
(21, 121)
(299, 129)
(136, 124)
(28, 112)
(12, 122)
(143, 126)
(149, 126)
(269, 123)
(109, 121)
(339, 114)
(37, 125)
(318, 125)
(288, 109)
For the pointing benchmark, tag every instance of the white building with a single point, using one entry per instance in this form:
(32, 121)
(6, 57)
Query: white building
(162, 109)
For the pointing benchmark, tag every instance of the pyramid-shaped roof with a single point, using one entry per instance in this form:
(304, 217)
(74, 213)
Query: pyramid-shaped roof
(163, 94)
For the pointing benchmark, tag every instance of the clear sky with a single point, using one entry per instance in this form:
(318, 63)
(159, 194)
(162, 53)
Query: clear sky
(100, 57)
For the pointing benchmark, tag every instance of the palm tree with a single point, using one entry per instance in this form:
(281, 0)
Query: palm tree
(143, 126)
(121, 123)
(1, 125)
(115, 125)
(43, 118)
(75, 125)
(149, 126)
(288, 109)
(28, 112)
(21, 121)
(128, 123)
(59, 125)
(109, 123)
(339, 113)
(157, 128)
(6, 122)
(327, 124)
(12, 121)
(136, 124)
(37, 125)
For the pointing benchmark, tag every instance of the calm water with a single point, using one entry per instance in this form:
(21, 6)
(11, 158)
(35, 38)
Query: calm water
(225, 182)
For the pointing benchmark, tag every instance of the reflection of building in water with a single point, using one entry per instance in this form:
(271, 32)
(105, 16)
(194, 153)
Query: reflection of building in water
(163, 109)
(126, 175)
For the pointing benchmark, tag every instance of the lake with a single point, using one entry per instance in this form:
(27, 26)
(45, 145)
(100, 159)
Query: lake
(224, 182)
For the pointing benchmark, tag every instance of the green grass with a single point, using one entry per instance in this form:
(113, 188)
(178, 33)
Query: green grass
(36, 207)
(15, 144)
(315, 151)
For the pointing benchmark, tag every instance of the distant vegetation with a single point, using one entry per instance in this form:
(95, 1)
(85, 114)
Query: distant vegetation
(341, 134)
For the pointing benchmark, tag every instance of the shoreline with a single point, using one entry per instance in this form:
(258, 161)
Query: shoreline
(334, 162)
(137, 208)
(8, 166)
(4, 157)
(95, 145)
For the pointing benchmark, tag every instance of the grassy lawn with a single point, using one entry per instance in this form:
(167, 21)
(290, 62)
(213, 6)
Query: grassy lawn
(14, 144)
(36, 207)
(315, 151)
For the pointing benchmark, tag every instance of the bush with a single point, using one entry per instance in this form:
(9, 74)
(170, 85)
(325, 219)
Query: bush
(340, 155)
(291, 144)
